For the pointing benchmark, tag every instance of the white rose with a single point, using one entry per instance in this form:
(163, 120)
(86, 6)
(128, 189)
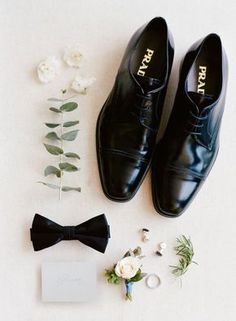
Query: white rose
(127, 267)
(48, 69)
(73, 56)
(80, 84)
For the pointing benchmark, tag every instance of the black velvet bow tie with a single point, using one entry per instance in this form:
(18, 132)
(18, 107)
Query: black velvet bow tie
(94, 233)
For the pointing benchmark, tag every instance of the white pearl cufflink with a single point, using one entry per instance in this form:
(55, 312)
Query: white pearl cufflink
(161, 248)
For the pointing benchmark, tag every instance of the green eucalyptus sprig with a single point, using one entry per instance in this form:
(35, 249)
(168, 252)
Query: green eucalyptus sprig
(61, 132)
(184, 250)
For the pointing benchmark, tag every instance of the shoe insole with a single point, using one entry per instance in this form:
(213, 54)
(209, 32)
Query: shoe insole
(149, 59)
(205, 77)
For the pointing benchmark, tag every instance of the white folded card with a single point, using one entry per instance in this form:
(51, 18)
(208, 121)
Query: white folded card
(68, 281)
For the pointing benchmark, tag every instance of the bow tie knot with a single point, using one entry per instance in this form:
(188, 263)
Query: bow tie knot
(69, 233)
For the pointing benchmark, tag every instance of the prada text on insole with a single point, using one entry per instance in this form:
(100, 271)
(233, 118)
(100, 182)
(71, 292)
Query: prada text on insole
(201, 79)
(145, 61)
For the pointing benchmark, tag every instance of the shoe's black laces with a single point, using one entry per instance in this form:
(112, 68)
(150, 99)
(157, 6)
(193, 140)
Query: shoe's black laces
(144, 109)
(196, 122)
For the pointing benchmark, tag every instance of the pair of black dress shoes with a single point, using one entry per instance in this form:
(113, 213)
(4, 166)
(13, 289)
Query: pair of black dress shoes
(129, 121)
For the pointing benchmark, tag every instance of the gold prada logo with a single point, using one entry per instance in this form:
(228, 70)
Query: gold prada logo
(145, 61)
(201, 79)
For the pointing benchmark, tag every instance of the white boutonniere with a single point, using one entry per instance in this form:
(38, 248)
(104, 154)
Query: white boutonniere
(127, 269)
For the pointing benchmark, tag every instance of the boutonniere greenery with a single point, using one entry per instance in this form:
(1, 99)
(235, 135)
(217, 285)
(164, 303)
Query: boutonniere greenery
(183, 249)
(127, 270)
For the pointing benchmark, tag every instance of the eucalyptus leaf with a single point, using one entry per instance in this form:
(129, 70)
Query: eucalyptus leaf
(68, 107)
(52, 136)
(70, 123)
(52, 125)
(55, 99)
(70, 136)
(52, 170)
(55, 110)
(68, 189)
(54, 150)
(50, 185)
(67, 167)
(72, 155)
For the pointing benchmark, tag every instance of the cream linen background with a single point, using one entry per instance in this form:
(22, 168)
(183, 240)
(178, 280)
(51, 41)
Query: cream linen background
(31, 30)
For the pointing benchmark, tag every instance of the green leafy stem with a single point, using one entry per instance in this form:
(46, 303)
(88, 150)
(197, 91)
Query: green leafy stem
(59, 136)
(184, 250)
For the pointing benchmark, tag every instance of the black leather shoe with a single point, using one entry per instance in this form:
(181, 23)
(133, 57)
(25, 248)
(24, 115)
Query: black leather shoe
(186, 153)
(130, 118)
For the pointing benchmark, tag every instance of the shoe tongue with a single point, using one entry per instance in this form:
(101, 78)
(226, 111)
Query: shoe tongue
(201, 100)
(147, 83)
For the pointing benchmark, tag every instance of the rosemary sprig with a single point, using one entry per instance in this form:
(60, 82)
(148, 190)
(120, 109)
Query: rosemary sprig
(184, 250)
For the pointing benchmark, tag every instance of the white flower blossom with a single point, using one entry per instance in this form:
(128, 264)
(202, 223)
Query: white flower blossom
(127, 267)
(80, 84)
(72, 56)
(48, 69)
